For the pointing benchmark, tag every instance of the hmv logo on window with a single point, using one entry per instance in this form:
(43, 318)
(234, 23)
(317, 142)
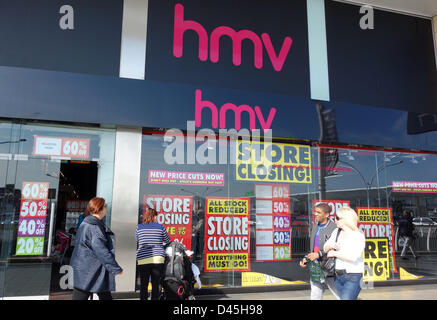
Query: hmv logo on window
(252, 45)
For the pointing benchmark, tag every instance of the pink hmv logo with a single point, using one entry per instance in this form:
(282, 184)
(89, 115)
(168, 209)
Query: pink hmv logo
(220, 115)
(211, 45)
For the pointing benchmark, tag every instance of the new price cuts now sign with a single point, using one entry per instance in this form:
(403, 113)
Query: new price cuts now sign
(227, 237)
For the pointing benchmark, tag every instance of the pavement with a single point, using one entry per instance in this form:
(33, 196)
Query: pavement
(395, 292)
(424, 288)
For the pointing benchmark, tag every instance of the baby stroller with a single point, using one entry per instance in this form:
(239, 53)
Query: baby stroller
(178, 278)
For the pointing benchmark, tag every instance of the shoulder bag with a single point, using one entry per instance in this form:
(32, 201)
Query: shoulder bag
(328, 264)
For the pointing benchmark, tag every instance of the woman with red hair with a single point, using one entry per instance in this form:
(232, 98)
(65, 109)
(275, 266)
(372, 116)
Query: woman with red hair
(151, 238)
(93, 259)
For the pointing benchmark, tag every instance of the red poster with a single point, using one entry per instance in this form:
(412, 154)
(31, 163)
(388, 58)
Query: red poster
(33, 208)
(227, 234)
(174, 213)
(333, 204)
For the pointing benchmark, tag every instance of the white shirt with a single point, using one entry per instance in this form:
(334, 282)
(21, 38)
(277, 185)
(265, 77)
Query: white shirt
(351, 246)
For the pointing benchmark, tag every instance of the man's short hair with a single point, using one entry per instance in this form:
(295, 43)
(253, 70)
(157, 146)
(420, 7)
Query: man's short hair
(324, 207)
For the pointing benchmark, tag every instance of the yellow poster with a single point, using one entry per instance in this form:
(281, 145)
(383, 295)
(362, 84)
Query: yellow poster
(404, 275)
(226, 206)
(376, 260)
(374, 215)
(220, 262)
(255, 279)
(273, 162)
(377, 222)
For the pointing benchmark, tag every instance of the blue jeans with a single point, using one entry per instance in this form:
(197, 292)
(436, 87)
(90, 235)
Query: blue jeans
(348, 285)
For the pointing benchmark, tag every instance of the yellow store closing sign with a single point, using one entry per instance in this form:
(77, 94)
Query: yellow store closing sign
(376, 260)
(273, 162)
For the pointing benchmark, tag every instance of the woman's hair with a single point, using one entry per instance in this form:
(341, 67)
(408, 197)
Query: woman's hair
(95, 205)
(349, 217)
(149, 215)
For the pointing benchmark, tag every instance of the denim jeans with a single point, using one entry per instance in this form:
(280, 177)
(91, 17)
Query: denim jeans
(407, 244)
(348, 285)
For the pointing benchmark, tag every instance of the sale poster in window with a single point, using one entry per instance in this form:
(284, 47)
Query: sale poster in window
(334, 205)
(377, 222)
(32, 219)
(174, 213)
(227, 234)
(376, 260)
(273, 225)
(61, 147)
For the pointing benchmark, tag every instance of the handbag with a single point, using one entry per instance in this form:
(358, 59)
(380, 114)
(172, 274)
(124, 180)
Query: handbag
(316, 273)
(328, 264)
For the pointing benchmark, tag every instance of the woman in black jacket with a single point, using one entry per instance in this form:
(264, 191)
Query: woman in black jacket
(93, 259)
(406, 228)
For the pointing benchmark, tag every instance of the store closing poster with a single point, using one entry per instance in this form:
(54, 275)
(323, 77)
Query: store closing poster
(227, 234)
(333, 204)
(377, 223)
(174, 213)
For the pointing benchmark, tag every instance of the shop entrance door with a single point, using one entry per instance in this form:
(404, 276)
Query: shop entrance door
(77, 185)
(48, 173)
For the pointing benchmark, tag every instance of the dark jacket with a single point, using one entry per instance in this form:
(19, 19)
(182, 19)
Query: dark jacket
(406, 226)
(93, 259)
(324, 235)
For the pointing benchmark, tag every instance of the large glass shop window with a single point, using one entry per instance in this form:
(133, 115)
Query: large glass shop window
(248, 219)
(47, 175)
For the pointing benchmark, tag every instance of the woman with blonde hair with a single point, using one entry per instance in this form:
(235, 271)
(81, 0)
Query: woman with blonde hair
(348, 251)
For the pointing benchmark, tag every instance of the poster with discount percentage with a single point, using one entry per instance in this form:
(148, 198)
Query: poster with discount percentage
(174, 213)
(32, 219)
(227, 234)
(273, 225)
(61, 147)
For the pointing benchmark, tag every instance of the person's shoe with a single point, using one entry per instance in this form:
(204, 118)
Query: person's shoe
(404, 258)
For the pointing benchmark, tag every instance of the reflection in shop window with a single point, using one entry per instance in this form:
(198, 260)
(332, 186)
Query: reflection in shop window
(280, 207)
